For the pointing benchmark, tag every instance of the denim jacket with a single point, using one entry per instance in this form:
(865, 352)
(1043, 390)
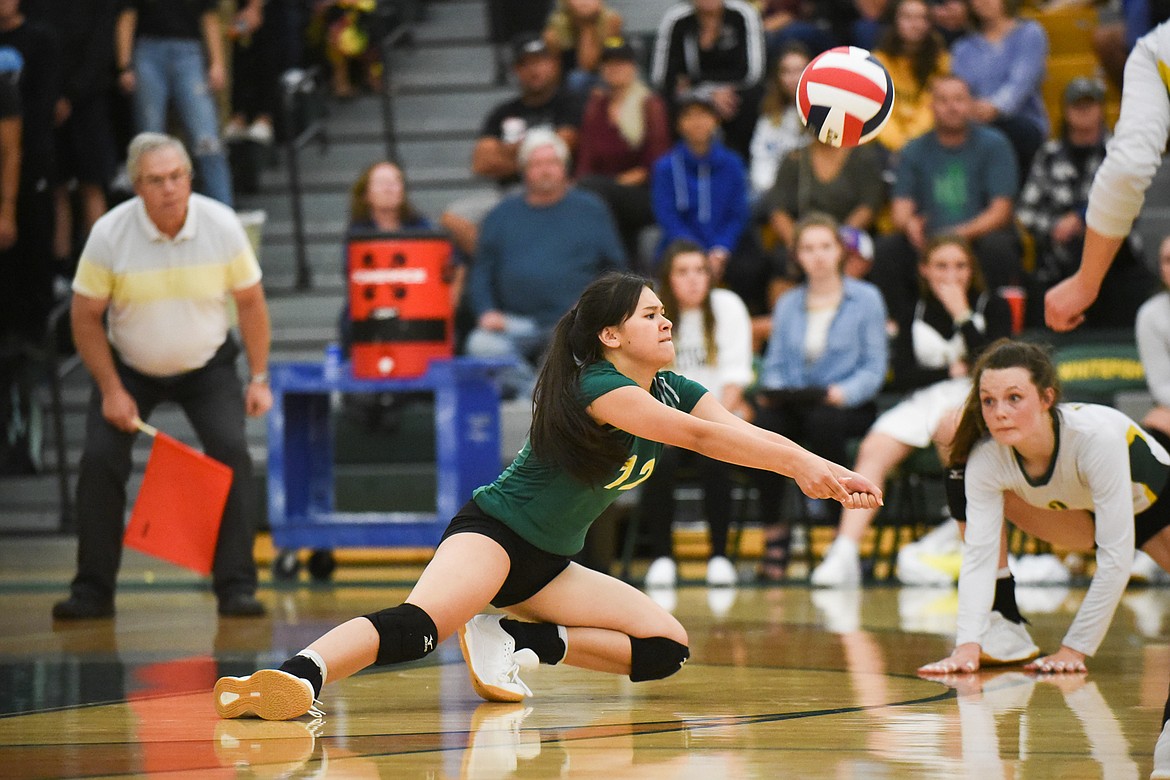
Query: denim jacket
(856, 352)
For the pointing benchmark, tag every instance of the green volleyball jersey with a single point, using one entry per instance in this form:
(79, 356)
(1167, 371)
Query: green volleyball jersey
(552, 509)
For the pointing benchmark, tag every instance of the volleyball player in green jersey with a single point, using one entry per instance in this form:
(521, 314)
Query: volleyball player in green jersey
(603, 410)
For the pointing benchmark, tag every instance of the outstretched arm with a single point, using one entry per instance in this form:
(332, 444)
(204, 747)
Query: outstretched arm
(715, 432)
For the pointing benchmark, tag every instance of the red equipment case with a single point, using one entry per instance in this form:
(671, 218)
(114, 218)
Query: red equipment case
(399, 302)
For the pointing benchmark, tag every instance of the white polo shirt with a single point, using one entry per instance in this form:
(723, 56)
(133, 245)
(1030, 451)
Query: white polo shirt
(168, 297)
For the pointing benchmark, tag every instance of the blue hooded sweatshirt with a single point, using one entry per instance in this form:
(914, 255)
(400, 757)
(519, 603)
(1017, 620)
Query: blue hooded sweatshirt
(704, 198)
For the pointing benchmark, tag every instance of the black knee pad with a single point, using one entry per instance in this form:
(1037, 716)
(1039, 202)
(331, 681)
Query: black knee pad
(405, 633)
(656, 657)
(957, 492)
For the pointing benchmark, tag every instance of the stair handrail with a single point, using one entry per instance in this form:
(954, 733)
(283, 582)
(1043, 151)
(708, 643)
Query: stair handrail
(399, 33)
(57, 370)
(297, 84)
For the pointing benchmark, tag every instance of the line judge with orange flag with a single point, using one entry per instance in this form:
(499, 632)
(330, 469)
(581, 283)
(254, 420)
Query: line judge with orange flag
(164, 266)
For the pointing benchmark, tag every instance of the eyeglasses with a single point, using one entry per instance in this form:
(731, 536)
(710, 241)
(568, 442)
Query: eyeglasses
(175, 177)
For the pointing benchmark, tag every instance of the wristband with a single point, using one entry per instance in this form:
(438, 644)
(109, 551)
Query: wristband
(260, 379)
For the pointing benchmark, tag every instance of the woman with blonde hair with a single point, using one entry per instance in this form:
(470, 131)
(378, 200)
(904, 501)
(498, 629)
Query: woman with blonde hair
(624, 129)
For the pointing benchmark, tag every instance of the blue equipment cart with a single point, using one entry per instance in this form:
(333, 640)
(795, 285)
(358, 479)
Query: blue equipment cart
(301, 509)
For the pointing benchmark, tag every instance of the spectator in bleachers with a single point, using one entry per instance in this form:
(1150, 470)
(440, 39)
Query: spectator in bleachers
(1003, 60)
(715, 47)
(172, 52)
(624, 130)
(788, 22)
(842, 182)
(867, 28)
(699, 192)
(344, 30)
(541, 103)
(937, 342)
(952, 19)
(538, 249)
(1119, 28)
(712, 337)
(578, 30)
(825, 363)
(1153, 342)
(1152, 331)
(378, 202)
(19, 449)
(959, 178)
(779, 129)
(256, 60)
(914, 53)
(27, 259)
(84, 143)
(1052, 207)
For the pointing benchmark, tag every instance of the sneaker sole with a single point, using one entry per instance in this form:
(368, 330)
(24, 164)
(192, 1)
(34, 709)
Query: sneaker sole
(485, 691)
(986, 660)
(269, 694)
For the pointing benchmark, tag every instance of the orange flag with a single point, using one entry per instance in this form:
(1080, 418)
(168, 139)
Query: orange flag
(180, 504)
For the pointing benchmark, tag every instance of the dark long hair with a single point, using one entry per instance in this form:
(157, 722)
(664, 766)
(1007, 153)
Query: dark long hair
(563, 433)
(1003, 353)
(774, 101)
(684, 246)
(924, 63)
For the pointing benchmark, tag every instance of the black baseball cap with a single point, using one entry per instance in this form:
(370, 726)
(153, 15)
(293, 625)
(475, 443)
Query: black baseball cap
(526, 44)
(697, 97)
(618, 49)
(1084, 88)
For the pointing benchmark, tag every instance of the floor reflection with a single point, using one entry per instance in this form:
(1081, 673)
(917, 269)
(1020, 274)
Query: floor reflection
(820, 683)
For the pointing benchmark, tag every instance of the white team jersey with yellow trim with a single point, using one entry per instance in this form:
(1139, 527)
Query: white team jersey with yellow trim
(1135, 150)
(1104, 463)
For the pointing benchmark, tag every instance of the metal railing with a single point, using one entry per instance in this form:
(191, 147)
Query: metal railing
(393, 38)
(303, 125)
(56, 370)
(302, 103)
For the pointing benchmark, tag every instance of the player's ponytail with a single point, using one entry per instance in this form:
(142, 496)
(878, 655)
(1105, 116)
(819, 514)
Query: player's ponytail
(563, 433)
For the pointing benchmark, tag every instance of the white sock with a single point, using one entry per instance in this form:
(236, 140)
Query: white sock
(563, 633)
(316, 658)
(847, 546)
(1003, 573)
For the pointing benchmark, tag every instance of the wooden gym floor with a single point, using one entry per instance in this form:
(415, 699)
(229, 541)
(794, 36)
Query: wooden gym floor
(783, 682)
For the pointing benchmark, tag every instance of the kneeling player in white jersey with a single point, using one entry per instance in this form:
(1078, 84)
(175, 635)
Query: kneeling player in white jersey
(1076, 475)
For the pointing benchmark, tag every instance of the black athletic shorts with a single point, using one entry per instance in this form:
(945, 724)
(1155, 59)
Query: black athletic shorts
(1147, 525)
(531, 568)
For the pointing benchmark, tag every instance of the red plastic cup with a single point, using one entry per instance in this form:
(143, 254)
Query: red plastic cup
(1016, 298)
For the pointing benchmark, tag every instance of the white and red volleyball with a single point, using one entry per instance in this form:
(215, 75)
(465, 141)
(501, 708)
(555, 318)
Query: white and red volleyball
(845, 95)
